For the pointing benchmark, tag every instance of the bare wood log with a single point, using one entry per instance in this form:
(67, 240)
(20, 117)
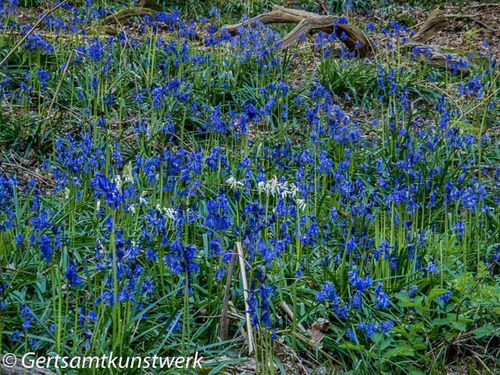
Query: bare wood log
(278, 14)
(353, 38)
(128, 13)
(441, 58)
(436, 22)
(302, 28)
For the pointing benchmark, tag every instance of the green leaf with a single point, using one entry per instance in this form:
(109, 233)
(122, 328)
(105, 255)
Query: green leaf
(436, 292)
(484, 331)
(460, 324)
(439, 322)
(350, 346)
(400, 351)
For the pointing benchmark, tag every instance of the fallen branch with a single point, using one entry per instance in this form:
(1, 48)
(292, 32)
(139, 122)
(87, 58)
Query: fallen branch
(434, 55)
(471, 18)
(436, 22)
(351, 36)
(128, 13)
(484, 5)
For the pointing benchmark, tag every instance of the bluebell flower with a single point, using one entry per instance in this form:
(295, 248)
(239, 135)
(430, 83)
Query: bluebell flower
(445, 297)
(43, 76)
(216, 160)
(431, 268)
(382, 299)
(357, 300)
(27, 316)
(385, 326)
(342, 21)
(175, 324)
(35, 42)
(327, 292)
(214, 12)
(218, 215)
(102, 187)
(147, 286)
(46, 247)
(370, 27)
(359, 283)
(459, 228)
(72, 275)
(368, 329)
(15, 335)
(350, 335)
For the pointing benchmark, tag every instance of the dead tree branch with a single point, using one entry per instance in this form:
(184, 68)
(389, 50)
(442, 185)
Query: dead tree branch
(436, 22)
(128, 13)
(351, 36)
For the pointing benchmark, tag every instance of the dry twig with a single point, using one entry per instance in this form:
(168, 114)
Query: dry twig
(245, 296)
(21, 41)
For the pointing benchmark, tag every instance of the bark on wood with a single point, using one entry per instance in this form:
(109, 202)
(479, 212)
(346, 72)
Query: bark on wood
(143, 8)
(436, 22)
(307, 21)
(128, 13)
(442, 58)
